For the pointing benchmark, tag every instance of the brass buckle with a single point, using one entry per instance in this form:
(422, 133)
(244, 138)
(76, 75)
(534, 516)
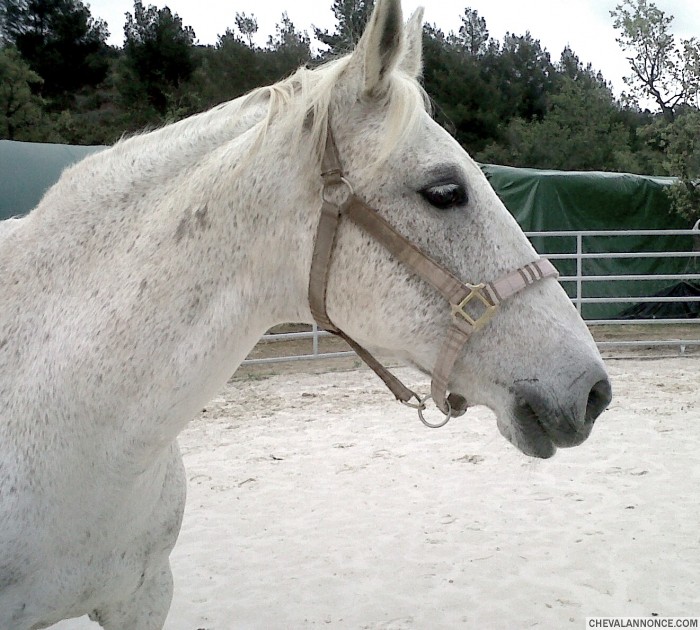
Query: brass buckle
(476, 292)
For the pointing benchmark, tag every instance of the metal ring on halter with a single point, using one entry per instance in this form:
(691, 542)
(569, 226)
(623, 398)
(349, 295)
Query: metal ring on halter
(448, 415)
(419, 406)
(348, 186)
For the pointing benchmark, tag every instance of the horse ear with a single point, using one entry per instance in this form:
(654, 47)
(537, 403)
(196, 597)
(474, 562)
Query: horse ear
(412, 61)
(381, 45)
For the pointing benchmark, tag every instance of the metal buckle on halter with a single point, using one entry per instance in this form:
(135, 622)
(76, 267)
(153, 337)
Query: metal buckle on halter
(476, 292)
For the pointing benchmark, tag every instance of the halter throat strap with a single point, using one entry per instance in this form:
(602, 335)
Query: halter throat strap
(472, 306)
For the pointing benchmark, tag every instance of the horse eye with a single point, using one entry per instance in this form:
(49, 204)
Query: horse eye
(445, 196)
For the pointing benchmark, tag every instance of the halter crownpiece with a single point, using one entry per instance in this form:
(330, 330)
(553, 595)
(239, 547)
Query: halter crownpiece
(472, 305)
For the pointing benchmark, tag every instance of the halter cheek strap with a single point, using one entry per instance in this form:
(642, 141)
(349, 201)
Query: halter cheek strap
(472, 305)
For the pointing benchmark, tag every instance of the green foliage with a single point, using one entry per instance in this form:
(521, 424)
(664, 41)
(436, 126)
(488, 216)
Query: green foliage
(579, 132)
(25, 116)
(247, 26)
(352, 16)
(60, 41)
(288, 49)
(473, 35)
(581, 127)
(523, 75)
(662, 71)
(685, 199)
(227, 70)
(480, 86)
(466, 101)
(679, 140)
(668, 74)
(235, 66)
(158, 59)
(20, 108)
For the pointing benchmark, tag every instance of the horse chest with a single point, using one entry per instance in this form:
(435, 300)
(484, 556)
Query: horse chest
(65, 564)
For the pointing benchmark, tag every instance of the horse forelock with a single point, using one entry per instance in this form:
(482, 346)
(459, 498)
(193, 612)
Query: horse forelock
(305, 100)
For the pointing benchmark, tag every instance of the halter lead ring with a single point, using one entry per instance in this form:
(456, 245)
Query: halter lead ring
(482, 299)
(420, 407)
(340, 180)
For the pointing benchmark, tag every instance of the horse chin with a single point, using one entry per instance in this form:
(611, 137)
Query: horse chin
(523, 429)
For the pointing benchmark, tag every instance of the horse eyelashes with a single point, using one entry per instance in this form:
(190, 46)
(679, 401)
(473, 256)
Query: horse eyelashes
(445, 196)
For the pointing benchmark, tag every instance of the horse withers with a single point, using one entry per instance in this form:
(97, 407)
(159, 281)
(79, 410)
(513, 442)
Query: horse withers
(149, 271)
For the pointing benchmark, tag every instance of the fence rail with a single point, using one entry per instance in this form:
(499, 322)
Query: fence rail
(581, 276)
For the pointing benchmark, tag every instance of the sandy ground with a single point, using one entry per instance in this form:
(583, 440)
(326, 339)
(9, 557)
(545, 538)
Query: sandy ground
(316, 501)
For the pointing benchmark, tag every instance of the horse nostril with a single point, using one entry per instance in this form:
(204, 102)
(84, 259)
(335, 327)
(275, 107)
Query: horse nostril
(598, 399)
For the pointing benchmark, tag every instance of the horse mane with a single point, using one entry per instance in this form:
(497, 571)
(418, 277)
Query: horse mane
(298, 104)
(303, 101)
(299, 109)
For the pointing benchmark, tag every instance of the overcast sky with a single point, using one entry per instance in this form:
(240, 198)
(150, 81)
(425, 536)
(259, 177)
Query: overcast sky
(585, 25)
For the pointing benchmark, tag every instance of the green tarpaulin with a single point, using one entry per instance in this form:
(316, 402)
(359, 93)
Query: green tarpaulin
(546, 201)
(540, 200)
(562, 200)
(28, 170)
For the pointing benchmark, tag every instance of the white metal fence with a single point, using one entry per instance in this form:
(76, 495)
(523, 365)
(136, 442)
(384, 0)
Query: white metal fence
(666, 258)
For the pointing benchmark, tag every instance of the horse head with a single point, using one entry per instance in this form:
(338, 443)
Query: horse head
(534, 361)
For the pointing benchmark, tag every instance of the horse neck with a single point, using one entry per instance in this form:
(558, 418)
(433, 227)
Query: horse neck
(212, 182)
(246, 231)
(239, 227)
(177, 146)
(175, 270)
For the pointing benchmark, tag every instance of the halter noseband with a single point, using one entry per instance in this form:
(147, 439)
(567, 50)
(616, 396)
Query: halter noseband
(473, 305)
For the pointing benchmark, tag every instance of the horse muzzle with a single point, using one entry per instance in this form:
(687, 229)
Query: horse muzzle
(541, 422)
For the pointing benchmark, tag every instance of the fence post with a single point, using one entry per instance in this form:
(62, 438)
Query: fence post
(315, 340)
(579, 271)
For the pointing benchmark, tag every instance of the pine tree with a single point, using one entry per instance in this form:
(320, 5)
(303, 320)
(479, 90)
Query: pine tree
(352, 16)
(60, 41)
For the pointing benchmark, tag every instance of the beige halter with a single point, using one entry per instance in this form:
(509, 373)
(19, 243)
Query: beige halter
(472, 305)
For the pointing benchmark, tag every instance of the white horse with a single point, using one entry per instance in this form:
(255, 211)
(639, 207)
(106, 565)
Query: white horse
(150, 270)
(7, 226)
